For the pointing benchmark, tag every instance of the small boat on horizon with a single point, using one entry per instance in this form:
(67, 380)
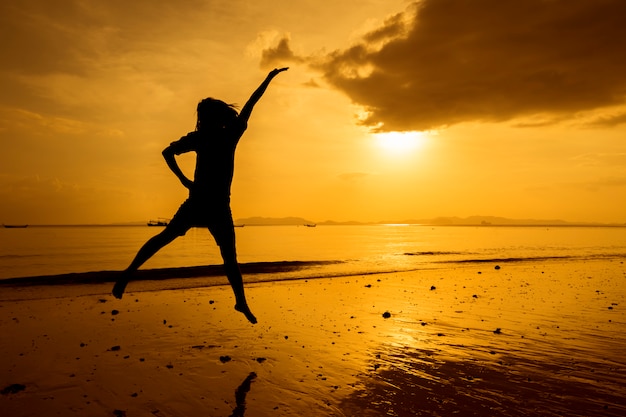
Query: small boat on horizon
(310, 224)
(15, 226)
(159, 222)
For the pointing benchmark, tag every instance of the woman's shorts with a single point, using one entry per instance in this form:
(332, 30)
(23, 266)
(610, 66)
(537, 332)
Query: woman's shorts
(217, 218)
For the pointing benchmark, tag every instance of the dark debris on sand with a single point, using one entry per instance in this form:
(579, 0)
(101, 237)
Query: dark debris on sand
(13, 389)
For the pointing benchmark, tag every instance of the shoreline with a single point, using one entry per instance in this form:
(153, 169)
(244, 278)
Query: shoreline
(155, 274)
(528, 339)
(282, 267)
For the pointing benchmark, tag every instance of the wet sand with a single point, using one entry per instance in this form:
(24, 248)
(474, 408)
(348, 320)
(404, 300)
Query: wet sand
(528, 339)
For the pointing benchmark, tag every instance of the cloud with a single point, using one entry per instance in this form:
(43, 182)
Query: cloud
(605, 160)
(68, 36)
(280, 55)
(444, 62)
(609, 120)
(41, 199)
(20, 122)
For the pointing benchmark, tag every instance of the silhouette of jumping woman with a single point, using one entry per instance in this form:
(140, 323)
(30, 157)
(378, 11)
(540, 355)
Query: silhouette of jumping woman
(218, 130)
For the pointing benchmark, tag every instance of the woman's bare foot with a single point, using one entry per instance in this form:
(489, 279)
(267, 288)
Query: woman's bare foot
(119, 287)
(243, 308)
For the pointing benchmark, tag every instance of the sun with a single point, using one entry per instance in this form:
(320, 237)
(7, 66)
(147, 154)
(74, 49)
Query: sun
(400, 142)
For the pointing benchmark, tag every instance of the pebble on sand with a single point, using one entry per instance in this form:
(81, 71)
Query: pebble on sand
(386, 314)
(13, 389)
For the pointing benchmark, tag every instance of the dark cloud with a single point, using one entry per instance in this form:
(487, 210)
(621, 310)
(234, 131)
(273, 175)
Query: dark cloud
(42, 36)
(279, 56)
(443, 62)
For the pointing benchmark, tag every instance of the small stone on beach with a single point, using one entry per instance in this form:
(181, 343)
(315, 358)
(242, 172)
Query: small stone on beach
(225, 359)
(386, 314)
(13, 389)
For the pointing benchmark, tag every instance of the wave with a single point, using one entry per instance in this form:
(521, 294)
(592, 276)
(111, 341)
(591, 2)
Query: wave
(255, 272)
(537, 258)
(433, 253)
(20, 256)
(99, 277)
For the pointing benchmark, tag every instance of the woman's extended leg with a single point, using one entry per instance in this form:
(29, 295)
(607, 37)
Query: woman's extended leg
(224, 235)
(231, 267)
(152, 246)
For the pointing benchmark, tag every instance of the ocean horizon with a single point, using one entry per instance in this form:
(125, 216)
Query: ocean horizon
(493, 221)
(84, 253)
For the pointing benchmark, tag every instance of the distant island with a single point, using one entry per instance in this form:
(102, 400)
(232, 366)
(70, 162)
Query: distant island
(438, 221)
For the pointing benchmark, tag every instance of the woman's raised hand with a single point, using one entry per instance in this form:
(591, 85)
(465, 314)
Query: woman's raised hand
(277, 71)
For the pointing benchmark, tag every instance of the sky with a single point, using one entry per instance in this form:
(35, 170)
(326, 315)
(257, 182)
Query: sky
(391, 109)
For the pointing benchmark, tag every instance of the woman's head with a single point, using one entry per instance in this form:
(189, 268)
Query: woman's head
(214, 113)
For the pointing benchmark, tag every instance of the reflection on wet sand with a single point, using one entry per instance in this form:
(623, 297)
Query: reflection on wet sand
(240, 396)
(407, 382)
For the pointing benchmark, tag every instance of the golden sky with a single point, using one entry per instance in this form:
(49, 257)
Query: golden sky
(391, 109)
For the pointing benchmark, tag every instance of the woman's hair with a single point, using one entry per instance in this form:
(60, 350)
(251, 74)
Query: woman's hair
(215, 113)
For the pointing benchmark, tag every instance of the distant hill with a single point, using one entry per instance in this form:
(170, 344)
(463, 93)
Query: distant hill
(438, 221)
(491, 220)
(273, 221)
(497, 221)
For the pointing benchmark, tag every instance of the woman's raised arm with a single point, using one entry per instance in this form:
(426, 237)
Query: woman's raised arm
(244, 115)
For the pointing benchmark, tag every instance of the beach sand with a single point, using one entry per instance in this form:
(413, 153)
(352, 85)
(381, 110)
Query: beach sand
(527, 339)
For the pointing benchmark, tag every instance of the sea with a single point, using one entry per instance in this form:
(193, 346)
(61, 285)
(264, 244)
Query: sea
(288, 252)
